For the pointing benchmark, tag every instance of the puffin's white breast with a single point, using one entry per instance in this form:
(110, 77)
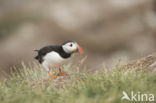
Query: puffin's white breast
(53, 59)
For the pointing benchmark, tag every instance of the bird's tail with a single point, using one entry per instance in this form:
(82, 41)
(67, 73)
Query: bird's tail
(37, 57)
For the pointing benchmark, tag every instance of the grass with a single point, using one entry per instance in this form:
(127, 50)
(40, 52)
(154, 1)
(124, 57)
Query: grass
(32, 85)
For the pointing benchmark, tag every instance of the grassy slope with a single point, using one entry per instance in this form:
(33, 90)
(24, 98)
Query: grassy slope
(30, 86)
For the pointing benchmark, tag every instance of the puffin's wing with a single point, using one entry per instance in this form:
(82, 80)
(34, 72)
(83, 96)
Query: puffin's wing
(43, 51)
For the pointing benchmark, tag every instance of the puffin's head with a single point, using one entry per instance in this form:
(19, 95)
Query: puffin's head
(71, 47)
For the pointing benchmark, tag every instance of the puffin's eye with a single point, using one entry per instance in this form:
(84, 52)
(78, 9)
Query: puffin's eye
(71, 45)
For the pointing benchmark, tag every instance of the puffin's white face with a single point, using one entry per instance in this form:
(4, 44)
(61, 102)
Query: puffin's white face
(72, 47)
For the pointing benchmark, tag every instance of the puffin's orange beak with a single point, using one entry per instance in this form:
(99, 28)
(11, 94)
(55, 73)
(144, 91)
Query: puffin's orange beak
(80, 50)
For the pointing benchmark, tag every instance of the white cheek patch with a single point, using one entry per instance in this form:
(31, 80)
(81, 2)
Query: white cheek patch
(68, 49)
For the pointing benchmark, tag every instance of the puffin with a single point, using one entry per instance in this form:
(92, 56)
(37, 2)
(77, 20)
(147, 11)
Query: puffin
(55, 56)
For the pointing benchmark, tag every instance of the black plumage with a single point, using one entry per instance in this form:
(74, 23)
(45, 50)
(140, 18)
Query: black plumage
(57, 48)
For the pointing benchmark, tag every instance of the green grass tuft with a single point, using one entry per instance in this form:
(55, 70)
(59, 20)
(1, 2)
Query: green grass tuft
(32, 85)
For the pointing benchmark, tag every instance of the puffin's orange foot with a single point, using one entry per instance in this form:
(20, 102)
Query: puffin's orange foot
(53, 77)
(62, 74)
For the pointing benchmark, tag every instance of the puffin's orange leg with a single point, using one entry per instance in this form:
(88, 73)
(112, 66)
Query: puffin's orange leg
(51, 76)
(62, 74)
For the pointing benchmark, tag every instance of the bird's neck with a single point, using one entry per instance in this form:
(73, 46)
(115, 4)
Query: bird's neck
(63, 53)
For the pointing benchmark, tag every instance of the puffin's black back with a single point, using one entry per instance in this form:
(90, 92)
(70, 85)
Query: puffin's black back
(43, 51)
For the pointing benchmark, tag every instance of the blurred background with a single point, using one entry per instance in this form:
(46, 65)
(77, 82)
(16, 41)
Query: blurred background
(108, 30)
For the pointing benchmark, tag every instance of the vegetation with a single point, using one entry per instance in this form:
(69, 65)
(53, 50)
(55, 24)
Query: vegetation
(32, 85)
